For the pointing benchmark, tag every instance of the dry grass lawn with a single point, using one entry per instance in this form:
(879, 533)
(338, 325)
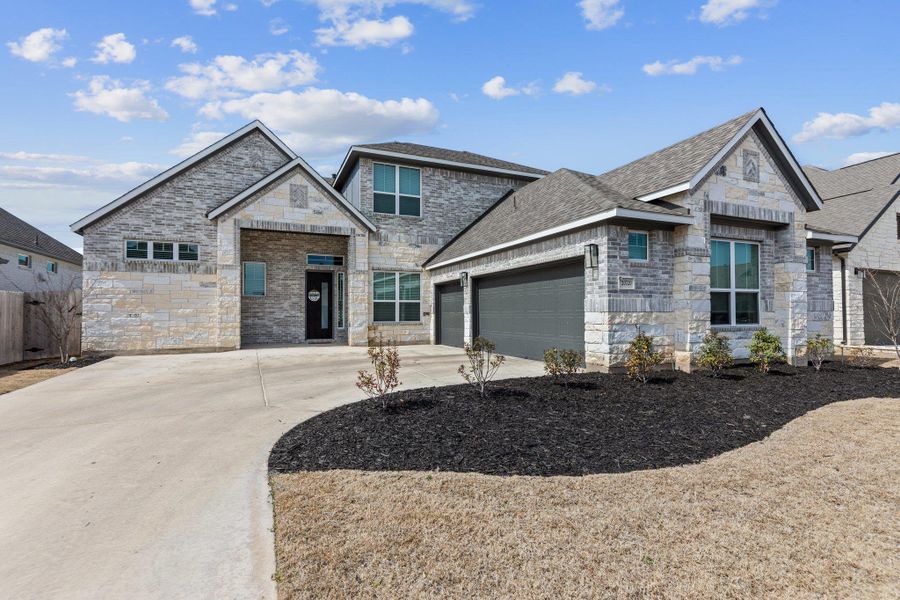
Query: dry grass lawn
(14, 377)
(813, 511)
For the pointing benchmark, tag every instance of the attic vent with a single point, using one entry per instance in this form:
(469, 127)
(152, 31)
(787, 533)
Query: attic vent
(722, 171)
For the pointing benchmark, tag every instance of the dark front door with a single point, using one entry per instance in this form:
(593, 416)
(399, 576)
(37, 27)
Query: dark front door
(319, 301)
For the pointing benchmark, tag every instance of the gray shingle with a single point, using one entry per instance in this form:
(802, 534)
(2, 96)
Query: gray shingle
(452, 155)
(560, 198)
(675, 164)
(852, 213)
(19, 234)
(856, 178)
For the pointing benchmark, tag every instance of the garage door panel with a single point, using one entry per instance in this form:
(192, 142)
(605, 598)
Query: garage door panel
(874, 335)
(527, 312)
(449, 302)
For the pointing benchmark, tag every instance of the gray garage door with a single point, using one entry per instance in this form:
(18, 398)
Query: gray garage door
(875, 335)
(526, 312)
(449, 303)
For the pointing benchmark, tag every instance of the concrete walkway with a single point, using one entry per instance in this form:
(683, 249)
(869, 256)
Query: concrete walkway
(145, 476)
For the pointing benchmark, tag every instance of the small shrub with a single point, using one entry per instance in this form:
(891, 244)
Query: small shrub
(817, 350)
(562, 364)
(715, 353)
(483, 363)
(862, 358)
(641, 357)
(765, 350)
(385, 379)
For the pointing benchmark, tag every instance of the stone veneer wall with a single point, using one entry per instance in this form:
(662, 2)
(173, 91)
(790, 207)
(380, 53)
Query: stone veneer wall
(819, 289)
(145, 305)
(279, 317)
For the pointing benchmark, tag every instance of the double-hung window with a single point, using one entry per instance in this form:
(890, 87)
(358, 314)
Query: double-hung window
(638, 245)
(734, 283)
(810, 259)
(397, 297)
(398, 190)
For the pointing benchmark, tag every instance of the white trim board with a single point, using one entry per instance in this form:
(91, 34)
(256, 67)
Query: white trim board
(812, 234)
(615, 213)
(302, 164)
(101, 212)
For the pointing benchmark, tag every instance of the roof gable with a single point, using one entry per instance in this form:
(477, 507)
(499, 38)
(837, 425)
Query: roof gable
(180, 168)
(17, 233)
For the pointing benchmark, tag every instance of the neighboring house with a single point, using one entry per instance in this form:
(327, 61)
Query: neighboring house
(32, 261)
(244, 243)
(861, 200)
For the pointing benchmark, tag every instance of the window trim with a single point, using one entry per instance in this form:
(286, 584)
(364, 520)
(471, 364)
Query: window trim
(340, 256)
(397, 301)
(27, 258)
(341, 304)
(815, 261)
(176, 251)
(397, 193)
(645, 233)
(55, 269)
(265, 289)
(733, 291)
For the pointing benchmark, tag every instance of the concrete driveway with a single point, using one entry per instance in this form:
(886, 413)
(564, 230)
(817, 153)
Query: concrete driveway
(145, 476)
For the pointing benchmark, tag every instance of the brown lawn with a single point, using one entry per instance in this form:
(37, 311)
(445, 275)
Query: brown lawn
(18, 375)
(812, 511)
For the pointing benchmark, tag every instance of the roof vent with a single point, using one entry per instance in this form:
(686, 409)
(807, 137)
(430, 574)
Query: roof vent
(722, 171)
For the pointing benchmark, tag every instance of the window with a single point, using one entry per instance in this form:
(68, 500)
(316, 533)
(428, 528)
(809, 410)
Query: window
(340, 300)
(638, 245)
(325, 260)
(398, 190)
(734, 283)
(254, 279)
(25, 261)
(810, 259)
(163, 251)
(52, 267)
(188, 252)
(135, 249)
(397, 297)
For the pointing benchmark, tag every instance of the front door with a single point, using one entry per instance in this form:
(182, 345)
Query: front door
(318, 306)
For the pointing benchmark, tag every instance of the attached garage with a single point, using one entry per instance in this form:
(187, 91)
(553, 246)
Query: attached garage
(449, 304)
(526, 312)
(872, 306)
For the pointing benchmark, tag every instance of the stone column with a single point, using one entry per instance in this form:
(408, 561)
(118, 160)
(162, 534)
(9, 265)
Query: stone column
(228, 283)
(468, 325)
(690, 294)
(357, 288)
(790, 290)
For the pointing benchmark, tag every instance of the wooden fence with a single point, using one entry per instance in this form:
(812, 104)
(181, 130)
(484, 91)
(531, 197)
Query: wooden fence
(25, 333)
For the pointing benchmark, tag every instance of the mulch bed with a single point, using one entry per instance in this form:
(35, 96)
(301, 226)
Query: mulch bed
(83, 361)
(599, 424)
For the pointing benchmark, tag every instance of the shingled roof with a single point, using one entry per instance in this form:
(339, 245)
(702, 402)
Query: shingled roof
(17, 233)
(562, 198)
(860, 177)
(460, 156)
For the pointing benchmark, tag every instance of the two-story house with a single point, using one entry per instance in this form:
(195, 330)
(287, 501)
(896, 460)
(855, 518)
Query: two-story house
(32, 261)
(244, 243)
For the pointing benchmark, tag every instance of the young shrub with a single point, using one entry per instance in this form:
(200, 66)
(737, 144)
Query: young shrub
(641, 357)
(817, 350)
(562, 364)
(483, 363)
(765, 350)
(862, 358)
(385, 378)
(715, 353)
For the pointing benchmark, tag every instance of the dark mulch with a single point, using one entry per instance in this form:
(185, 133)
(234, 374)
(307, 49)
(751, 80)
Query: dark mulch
(600, 424)
(82, 361)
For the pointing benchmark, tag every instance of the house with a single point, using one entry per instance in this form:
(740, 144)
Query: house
(32, 261)
(244, 243)
(861, 200)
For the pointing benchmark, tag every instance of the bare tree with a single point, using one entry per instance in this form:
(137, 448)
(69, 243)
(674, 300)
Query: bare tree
(58, 308)
(885, 305)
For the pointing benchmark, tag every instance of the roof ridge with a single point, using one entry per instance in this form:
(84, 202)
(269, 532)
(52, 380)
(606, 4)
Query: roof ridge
(864, 162)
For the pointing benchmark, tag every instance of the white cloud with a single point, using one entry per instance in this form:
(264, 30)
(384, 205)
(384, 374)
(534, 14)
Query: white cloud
(186, 44)
(365, 32)
(207, 8)
(838, 126)
(230, 7)
(726, 12)
(278, 26)
(114, 48)
(858, 157)
(69, 62)
(323, 121)
(690, 67)
(196, 142)
(42, 157)
(38, 46)
(497, 89)
(575, 84)
(106, 96)
(31, 176)
(228, 75)
(601, 14)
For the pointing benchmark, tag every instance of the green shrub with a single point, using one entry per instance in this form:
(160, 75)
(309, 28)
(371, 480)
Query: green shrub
(765, 350)
(385, 379)
(562, 364)
(483, 363)
(817, 350)
(641, 357)
(715, 353)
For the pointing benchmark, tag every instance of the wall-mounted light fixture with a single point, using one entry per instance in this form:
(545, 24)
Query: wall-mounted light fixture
(463, 279)
(591, 256)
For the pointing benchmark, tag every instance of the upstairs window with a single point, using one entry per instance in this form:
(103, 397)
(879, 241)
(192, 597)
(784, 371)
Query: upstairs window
(810, 259)
(52, 267)
(25, 261)
(734, 283)
(638, 245)
(144, 250)
(163, 251)
(398, 190)
(188, 252)
(135, 249)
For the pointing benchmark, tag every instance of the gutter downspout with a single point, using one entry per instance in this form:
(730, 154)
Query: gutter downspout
(843, 300)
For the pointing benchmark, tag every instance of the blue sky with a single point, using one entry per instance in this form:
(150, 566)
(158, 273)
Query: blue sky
(101, 95)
